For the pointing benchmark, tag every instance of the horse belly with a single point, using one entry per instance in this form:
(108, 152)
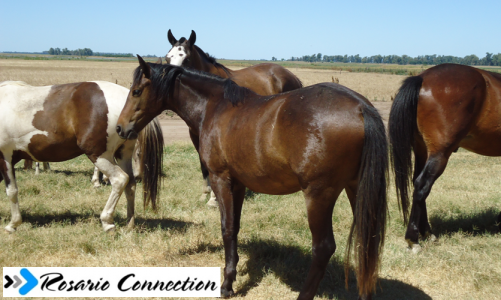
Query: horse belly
(273, 181)
(483, 142)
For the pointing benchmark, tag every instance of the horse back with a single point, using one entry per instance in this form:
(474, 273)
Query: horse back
(266, 79)
(276, 144)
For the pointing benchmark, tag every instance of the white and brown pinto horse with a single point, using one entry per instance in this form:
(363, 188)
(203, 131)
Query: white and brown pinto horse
(60, 122)
(264, 79)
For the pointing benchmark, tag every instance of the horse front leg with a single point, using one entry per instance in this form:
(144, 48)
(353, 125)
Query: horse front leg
(125, 163)
(231, 195)
(118, 179)
(7, 171)
(95, 178)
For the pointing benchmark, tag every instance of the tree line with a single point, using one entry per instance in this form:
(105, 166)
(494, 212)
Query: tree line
(85, 52)
(490, 59)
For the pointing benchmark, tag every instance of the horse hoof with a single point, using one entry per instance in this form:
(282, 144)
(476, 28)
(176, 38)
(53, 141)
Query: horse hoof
(131, 224)
(109, 228)
(414, 248)
(10, 229)
(432, 238)
(226, 294)
(213, 203)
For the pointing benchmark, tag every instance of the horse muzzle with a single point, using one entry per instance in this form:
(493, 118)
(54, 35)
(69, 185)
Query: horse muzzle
(127, 133)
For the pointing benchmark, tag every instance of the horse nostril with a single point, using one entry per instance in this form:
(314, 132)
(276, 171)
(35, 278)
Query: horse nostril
(119, 130)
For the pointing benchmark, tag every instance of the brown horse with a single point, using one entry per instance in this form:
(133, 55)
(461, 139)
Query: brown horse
(60, 122)
(320, 140)
(444, 108)
(264, 79)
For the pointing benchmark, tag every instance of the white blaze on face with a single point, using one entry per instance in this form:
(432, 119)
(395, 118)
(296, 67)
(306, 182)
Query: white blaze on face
(177, 55)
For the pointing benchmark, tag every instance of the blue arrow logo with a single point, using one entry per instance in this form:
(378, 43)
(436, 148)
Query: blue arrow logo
(31, 282)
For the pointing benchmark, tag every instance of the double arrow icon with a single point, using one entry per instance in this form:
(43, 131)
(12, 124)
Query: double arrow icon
(31, 281)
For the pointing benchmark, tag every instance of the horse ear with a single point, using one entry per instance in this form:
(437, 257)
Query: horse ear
(193, 38)
(171, 38)
(144, 67)
(159, 60)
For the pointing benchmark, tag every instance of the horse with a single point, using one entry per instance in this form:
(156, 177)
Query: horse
(264, 79)
(321, 140)
(137, 165)
(28, 165)
(60, 122)
(445, 107)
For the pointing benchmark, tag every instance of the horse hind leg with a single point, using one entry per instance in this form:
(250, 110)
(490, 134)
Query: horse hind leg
(7, 171)
(418, 220)
(319, 205)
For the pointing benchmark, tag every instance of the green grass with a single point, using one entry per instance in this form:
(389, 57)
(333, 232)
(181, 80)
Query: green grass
(62, 228)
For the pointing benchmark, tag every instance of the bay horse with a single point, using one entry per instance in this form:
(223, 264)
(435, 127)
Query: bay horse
(445, 107)
(60, 122)
(319, 140)
(264, 79)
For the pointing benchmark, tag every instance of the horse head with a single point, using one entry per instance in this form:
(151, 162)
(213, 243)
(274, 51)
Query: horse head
(181, 49)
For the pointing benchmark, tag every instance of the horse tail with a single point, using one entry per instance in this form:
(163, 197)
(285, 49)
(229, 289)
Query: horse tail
(402, 124)
(367, 232)
(151, 142)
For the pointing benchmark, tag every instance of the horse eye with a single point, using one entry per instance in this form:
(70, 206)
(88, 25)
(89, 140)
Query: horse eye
(136, 93)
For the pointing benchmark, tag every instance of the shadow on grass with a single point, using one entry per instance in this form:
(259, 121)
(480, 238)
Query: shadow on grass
(164, 224)
(68, 217)
(291, 264)
(474, 223)
(72, 218)
(90, 172)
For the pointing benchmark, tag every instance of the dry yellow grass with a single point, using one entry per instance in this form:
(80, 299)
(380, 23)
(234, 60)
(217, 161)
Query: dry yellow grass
(61, 214)
(375, 87)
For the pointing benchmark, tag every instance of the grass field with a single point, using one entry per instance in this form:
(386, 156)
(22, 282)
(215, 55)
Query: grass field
(61, 219)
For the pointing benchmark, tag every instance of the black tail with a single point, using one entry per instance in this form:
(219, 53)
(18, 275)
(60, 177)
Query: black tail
(369, 222)
(402, 124)
(151, 160)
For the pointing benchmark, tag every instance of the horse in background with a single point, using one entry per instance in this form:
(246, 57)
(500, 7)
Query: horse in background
(434, 113)
(60, 122)
(321, 140)
(264, 79)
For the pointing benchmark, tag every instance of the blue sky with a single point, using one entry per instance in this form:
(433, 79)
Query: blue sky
(256, 29)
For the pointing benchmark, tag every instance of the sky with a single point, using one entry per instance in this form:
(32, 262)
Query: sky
(256, 29)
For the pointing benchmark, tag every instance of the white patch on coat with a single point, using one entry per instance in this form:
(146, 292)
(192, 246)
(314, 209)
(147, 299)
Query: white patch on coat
(19, 102)
(115, 96)
(177, 55)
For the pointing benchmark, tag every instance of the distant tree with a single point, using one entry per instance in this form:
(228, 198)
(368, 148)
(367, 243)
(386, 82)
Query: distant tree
(319, 56)
(274, 58)
(51, 51)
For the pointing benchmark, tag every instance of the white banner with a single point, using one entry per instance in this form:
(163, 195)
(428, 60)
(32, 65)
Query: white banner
(111, 282)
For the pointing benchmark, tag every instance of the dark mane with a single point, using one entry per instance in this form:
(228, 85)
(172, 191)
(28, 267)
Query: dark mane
(211, 59)
(163, 77)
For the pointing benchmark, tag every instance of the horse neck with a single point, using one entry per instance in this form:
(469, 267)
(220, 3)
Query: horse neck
(191, 97)
(200, 63)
